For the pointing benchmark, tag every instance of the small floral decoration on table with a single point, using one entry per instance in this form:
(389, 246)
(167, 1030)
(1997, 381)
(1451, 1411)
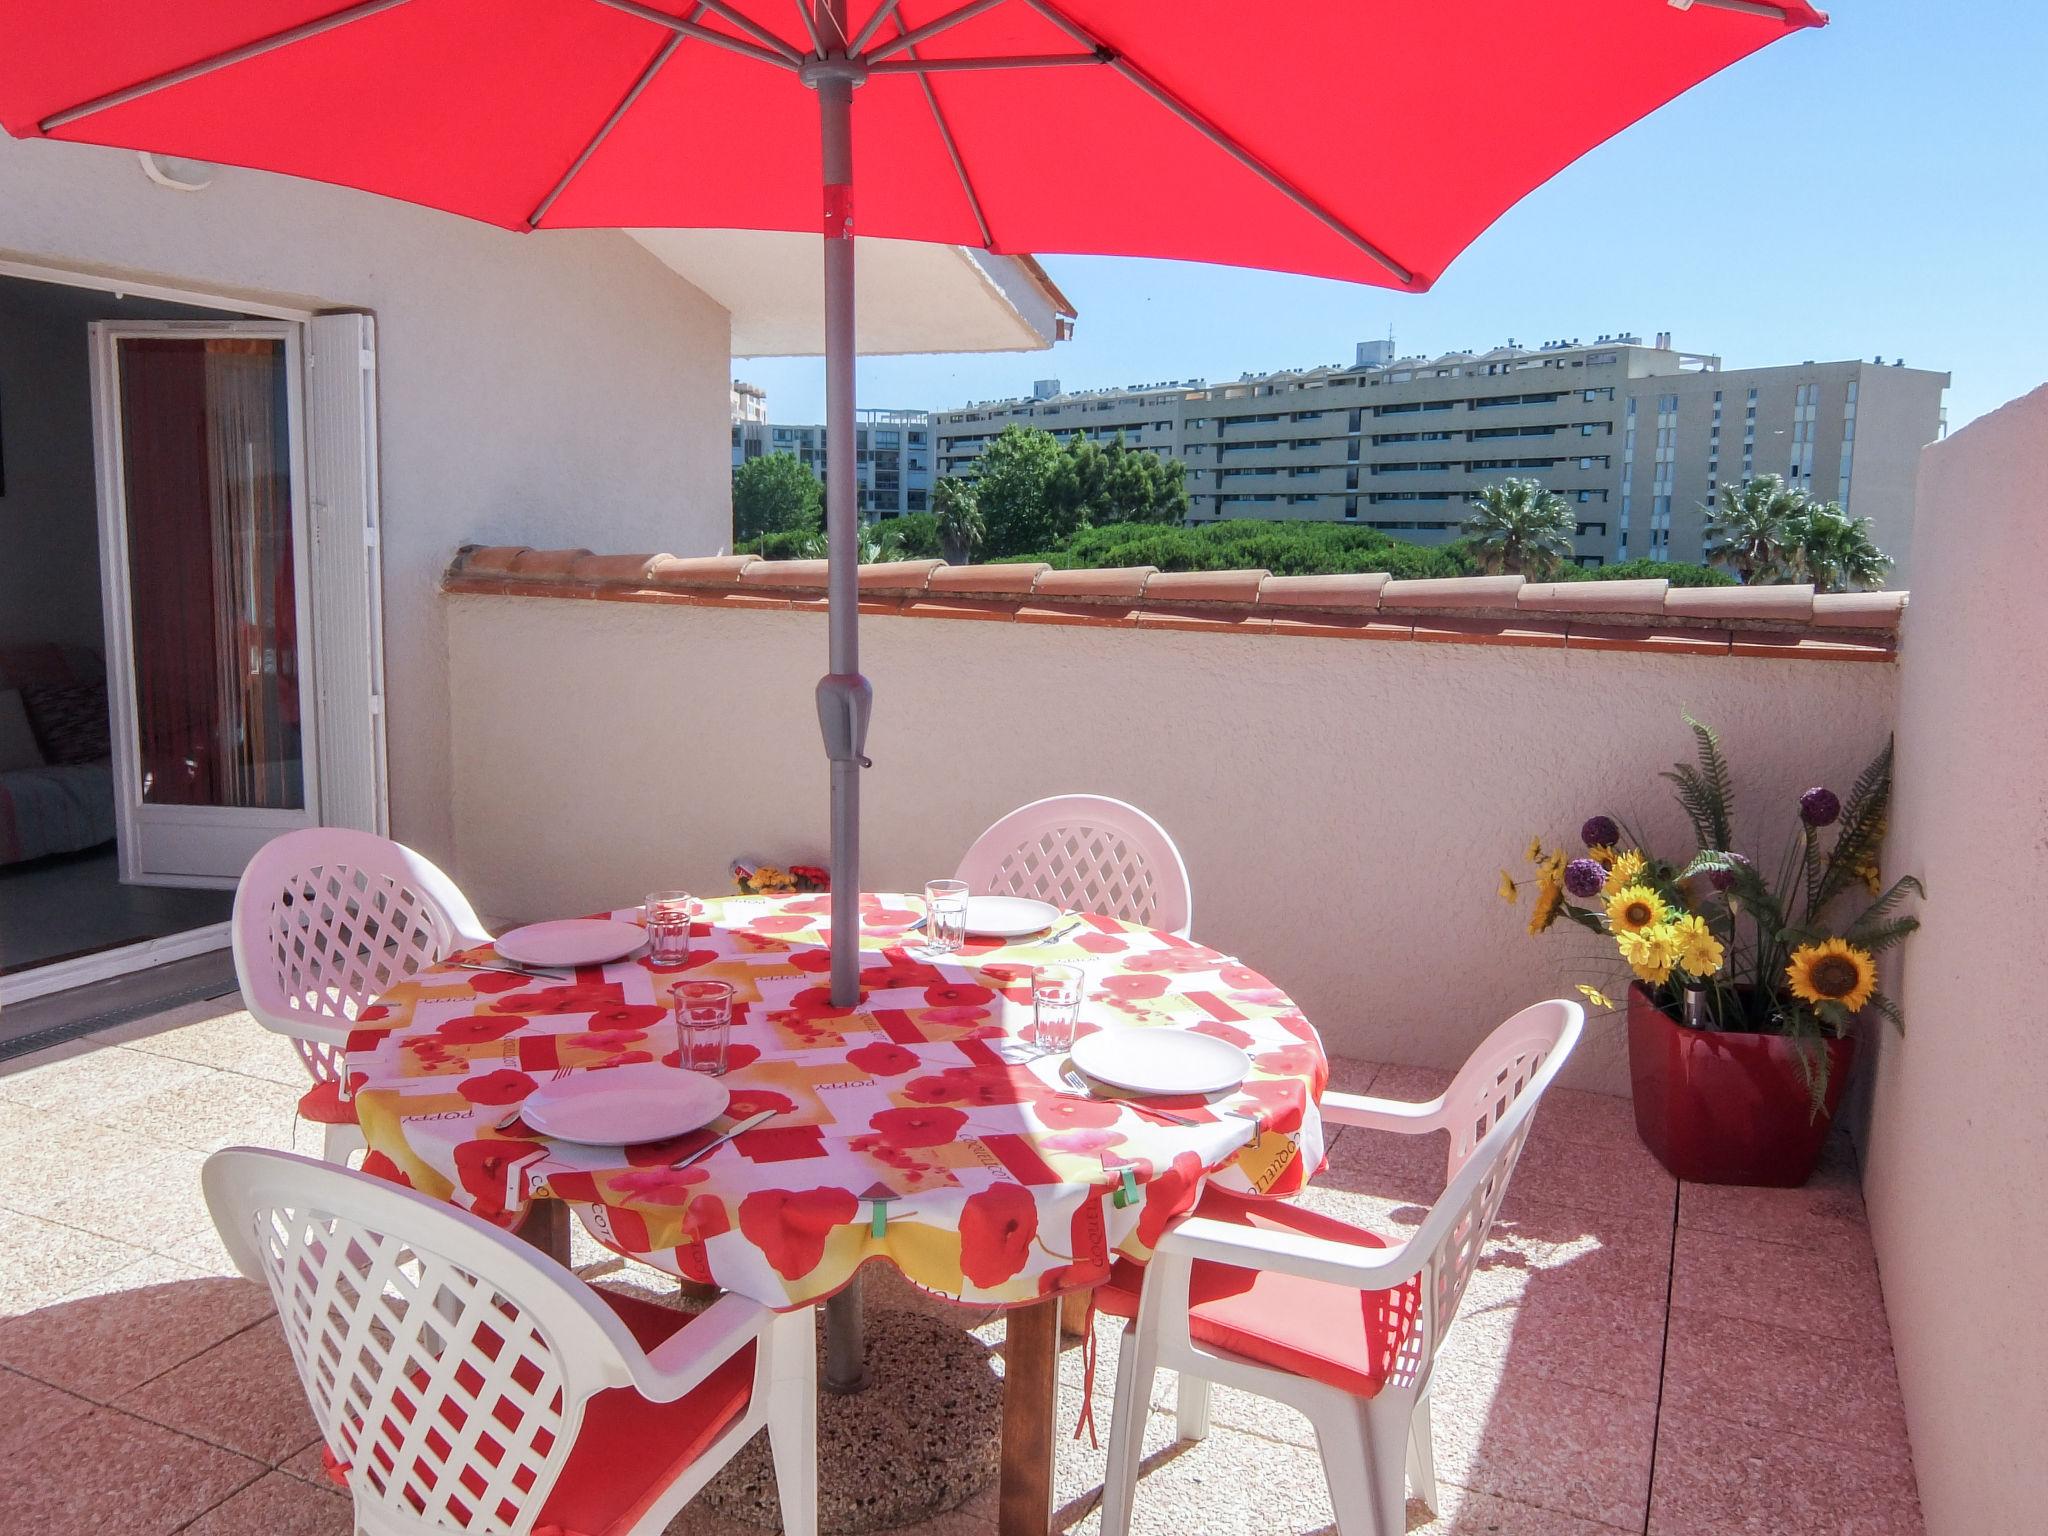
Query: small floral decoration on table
(753, 878)
(1710, 940)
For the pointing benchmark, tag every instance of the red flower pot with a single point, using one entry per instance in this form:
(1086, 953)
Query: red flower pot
(1728, 1107)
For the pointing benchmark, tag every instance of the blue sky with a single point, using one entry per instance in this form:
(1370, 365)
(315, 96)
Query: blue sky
(1873, 187)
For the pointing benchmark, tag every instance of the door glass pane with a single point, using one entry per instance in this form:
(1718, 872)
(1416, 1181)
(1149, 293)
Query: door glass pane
(206, 465)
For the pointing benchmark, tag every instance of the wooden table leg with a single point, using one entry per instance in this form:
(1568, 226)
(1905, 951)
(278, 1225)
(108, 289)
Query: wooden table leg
(547, 1227)
(1031, 1353)
(1074, 1313)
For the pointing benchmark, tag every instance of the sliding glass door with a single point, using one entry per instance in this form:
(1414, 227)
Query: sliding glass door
(203, 561)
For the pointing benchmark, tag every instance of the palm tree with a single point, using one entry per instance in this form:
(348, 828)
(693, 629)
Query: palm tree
(1754, 528)
(1519, 528)
(961, 526)
(1835, 551)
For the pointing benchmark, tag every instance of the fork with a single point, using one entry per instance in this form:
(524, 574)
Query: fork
(1072, 1077)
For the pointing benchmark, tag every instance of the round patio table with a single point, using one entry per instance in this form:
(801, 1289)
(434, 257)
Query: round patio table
(922, 1126)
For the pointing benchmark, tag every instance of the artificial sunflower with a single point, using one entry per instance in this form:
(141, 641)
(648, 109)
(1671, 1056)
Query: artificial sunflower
(1627, 868)
(1650, 951)
(1633, 908)
(1699, 952)
(1535, 850)
(1596, 997)
(1508, 889)
(1602, 854)
(1832, 971)
(1549, 902)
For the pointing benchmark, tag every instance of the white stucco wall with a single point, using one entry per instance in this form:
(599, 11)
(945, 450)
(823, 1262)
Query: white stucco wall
(1956, 1165)
(554, 389)
(1343, 805)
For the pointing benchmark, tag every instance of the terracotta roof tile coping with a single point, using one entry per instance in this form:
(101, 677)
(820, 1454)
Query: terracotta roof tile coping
(1772, 621)
(1359, 590)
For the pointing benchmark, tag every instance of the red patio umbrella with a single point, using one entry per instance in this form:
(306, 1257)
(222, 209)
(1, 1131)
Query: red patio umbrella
(1370, 140)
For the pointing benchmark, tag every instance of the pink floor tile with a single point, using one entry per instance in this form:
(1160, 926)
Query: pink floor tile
(1784, 1379)
(1600, 1119)
(1617, 1177)
(1718, 1478)
(1414, 1085)
(30, 1410)
(109, 1472)
(1825, 1214)
(1511, 1324)
(242, 1394)
(1553, 1444)
(103, 1343)
(1350, 1074)
(277, 1505)
(1829, 1289)
(1388, 1164)
(1600, 1252)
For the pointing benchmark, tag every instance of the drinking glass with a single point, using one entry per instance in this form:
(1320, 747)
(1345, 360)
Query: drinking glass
(668, 926)
(945, 915)
(1055, 1005)
(703, 1020)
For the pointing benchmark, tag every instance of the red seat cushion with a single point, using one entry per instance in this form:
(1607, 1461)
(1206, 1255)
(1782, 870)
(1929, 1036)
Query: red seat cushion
(1329, 1333)
(628, 1449)
(323, 1105)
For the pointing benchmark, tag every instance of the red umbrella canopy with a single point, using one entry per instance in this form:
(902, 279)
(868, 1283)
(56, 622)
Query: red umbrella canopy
(1370, 140)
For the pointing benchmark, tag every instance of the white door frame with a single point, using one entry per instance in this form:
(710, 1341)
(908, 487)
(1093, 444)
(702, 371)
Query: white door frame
(126, 959)
(200, 825)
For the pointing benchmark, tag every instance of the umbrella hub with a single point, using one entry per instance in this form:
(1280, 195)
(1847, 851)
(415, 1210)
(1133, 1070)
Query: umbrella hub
(835, 67)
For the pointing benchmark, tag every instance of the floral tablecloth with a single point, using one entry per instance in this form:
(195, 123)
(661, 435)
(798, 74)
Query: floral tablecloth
(921, 1126)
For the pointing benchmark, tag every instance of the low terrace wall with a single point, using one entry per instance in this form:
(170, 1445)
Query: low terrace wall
(1345, 762)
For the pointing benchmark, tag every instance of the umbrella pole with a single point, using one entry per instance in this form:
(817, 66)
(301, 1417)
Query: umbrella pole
(843, 694)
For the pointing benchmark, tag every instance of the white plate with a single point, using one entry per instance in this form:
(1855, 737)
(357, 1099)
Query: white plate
(1008, 917)
(571, 941)
(614, 1105)
(1158, 1060)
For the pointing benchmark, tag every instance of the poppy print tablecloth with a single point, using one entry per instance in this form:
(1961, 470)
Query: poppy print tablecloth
(921, 1126)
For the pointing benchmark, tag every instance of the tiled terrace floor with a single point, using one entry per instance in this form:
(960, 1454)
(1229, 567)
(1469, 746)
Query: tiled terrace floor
(1633, 1355)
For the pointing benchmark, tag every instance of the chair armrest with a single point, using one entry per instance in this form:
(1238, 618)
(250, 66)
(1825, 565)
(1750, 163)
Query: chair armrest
(1293, 1253)
(685, 1358)
(1383, 1114)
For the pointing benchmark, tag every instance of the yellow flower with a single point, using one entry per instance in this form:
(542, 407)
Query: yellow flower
(1650, 951)
(1596, 997)
(1699, 952)
(1627, 868)
(1832, 971)
(1633, 908)
(1508, 888)
(1602, 854)
(1535, 850)
(1549, 902)
(1872, 880)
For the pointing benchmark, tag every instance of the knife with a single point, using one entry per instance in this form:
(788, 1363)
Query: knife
(712, 1146)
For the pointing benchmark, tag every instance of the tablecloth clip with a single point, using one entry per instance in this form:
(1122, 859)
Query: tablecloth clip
(1127, 1192)
(878, 1217)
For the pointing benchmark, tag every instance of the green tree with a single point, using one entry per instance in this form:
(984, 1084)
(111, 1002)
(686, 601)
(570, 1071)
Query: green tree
(1754, 527)
(1519, 528)
(1115, 483)
(916, 536)
(956, 509)
(775, 493)
(1834, 551)
(1014, 489)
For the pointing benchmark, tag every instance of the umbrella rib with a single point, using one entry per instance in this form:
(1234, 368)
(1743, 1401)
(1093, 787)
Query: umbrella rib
(752, 28)
(1222, 139)
(646, 78)
(882, 13)
(932, 28)
(931, 100)
(208, 65)
(703, 34)
(916, 66)
(803, 9)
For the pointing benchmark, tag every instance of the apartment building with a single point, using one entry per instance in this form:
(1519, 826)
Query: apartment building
(893, 457)
(1624, 431)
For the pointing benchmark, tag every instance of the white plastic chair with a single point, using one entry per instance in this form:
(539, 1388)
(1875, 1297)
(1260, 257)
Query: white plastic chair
(325, 921)
(1324, 1316)
(464, 1384)
(1086, 853)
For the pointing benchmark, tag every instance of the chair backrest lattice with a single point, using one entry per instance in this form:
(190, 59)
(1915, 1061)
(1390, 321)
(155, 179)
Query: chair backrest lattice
(1489, 1107)
(1085, 853)
(449, 1391)
(326, 920)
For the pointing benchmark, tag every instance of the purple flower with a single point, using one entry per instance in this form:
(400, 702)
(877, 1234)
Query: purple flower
(1600, 832)
(1724, 879)
(1584, 877)
(1818, 807)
